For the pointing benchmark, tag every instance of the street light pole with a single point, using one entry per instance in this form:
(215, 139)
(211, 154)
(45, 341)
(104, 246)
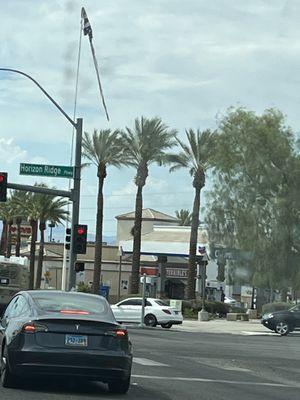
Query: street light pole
(76, 200)
(74, 194)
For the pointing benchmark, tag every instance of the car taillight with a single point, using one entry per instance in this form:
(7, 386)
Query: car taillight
(121, 333)
(33, 328)
(166, 311)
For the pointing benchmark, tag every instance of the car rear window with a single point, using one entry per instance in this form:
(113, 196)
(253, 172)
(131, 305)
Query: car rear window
(69, 303)
(161, 303)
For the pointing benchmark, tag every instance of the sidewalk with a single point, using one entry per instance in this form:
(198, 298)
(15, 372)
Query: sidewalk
(251, 327)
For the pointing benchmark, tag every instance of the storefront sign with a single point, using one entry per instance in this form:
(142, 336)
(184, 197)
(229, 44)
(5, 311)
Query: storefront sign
(176, 273)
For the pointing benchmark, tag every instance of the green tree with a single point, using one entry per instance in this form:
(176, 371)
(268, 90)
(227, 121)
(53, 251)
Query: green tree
(41, 208)
(184, 217)
(4, 217)
(145, 144)
(253, 205)
(198, 155)
(52, 209)
(104, 148)
(18, 199)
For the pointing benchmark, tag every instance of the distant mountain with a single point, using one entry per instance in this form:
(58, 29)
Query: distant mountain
(58, 234)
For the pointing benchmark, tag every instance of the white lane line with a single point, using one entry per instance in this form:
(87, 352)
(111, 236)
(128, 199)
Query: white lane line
(175, 378)
(146, 361)
(251, 333)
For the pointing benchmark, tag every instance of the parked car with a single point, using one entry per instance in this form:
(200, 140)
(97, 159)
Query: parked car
(157, 312)
(284, 321)
(230, 301)
(64, 333)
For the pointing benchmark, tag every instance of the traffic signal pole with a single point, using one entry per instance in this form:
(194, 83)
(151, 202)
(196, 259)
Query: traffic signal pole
(74, 194)
(76, 201)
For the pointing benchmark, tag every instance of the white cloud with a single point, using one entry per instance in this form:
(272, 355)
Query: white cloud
(10, 152)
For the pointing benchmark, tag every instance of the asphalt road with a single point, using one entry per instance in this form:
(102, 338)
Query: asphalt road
(181, 365)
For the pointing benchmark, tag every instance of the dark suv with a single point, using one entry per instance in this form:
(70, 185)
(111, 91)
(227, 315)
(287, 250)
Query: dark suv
(283, 322)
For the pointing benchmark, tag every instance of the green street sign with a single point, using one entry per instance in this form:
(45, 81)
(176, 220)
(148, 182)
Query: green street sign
(56, 171)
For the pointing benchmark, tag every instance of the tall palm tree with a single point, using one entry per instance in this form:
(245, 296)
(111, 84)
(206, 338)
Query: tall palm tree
(184, 217)
(31, 210)
(39, 209)
(104, 148)
(3, 218)
(52, 209)
(10, 215)
(198, 156)
(18, 199)
(147, 143)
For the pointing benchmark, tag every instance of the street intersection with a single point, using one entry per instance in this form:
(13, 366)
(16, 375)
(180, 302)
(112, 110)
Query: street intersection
(173, 365)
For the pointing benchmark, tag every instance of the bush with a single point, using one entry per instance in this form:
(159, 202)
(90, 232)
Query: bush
(82, 287)
(190, 313)
(270, 307)
(213, 307)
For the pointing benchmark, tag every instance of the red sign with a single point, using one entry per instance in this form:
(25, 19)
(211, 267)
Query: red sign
(150, 271)
(25, 230)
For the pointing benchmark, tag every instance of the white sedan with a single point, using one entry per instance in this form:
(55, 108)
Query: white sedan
(156, 312)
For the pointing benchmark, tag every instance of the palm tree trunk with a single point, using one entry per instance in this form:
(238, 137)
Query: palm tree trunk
(136, 254)
(3, 237)
(99, 231)
(18, 242)
(190, 289)
(40, 257)
(8, 248)
(32, 253)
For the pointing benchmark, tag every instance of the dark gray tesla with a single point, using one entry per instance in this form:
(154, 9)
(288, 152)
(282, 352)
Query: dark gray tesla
(66, 334)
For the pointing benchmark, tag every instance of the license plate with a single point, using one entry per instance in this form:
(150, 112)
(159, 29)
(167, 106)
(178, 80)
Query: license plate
(76, 340)
(176, 312)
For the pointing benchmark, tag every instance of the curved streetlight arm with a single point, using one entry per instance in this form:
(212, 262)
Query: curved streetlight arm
(44, 91)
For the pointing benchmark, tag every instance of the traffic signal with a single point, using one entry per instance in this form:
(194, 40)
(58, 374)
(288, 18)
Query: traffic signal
(3, 186)
(79, 266)
(79, 239)
(68, 239)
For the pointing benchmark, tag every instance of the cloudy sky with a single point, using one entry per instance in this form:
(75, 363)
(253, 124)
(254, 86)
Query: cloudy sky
(185, 61)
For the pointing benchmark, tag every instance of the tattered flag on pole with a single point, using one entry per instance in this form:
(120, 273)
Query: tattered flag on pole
(87, 30)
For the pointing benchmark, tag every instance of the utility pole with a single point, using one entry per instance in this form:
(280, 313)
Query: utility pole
(74, 194)
(76, 201)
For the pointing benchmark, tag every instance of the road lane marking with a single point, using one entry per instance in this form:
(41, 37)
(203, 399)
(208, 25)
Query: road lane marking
(175, 378)
(146, 361)
(251, 333)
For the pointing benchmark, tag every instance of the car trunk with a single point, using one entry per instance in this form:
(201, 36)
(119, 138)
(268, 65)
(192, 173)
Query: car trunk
(72, 332)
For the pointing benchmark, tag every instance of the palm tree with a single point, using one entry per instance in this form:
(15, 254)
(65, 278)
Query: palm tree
(48, 209)
(198, 155)
(3, 217)
(18, 199)
(31, 209)
(145, 144)
(184, 217)
(104, 148)
(39, 209)
(10, 213)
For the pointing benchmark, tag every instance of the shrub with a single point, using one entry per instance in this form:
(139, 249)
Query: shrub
(270, 307)
(190, 313)
(213, 307)
(83, 287)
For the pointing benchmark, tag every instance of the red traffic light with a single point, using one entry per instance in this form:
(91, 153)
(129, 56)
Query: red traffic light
(80, 231)
(2, 178)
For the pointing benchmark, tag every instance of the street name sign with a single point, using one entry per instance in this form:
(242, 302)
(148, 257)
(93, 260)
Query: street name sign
(56, 171)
